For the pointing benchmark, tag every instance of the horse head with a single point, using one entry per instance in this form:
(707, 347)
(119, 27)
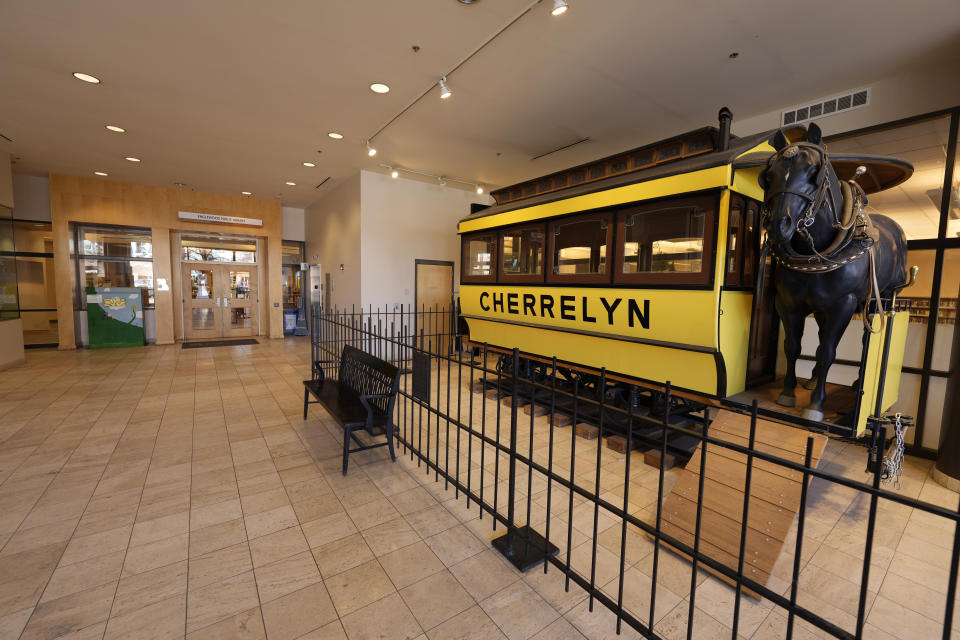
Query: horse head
(797, 181)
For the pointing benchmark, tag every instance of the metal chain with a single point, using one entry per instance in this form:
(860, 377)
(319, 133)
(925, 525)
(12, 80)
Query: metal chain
(893, 464)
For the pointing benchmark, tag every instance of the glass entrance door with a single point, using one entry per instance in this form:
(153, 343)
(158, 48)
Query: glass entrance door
(240, 301)
(202, 313)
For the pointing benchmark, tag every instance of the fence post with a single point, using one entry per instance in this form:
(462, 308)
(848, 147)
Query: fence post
(523, 547)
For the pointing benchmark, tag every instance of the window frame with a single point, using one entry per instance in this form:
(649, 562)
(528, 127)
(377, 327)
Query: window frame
(78, 230)
(465, 260)
(709, 202)
(579, 278)
(502, 275)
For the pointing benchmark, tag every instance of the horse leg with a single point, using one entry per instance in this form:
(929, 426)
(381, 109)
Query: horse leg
(811, 384)
(831, 330)
(792, 333)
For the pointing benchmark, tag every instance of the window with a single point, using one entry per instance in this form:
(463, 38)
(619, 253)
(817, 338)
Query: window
(33, 242)
(479, 255)
(292, 252)
(669, 241)
(115, 257)
(522, 251)
(579, 248)
(206, 250)
(9, 298)
(741, 241)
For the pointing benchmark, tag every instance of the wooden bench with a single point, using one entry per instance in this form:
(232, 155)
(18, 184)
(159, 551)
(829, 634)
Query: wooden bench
(362, 397)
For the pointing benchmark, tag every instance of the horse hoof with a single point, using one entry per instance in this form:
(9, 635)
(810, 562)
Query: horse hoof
(810, 384)
(813, 414)
(786, 401)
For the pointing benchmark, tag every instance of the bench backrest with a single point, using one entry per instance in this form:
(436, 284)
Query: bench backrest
(365, 374)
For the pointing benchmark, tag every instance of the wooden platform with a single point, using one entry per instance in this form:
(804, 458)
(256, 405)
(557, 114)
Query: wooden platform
(839, 402)
(774, 495)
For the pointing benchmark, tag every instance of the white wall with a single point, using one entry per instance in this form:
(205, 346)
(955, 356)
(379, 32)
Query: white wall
(333, 238)
(292, 222)
(404, 220)
(32, 194)
(892, 98)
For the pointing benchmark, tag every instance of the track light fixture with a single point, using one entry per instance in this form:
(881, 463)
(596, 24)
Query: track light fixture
(559, 7)
(444, 89)
(394, 173)
(479, 190)
(370, 150)
(442, 182)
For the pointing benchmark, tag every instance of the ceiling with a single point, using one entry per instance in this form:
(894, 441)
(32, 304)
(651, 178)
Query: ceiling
(235, 95)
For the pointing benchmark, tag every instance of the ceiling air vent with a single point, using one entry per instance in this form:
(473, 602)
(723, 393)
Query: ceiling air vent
(837, 104)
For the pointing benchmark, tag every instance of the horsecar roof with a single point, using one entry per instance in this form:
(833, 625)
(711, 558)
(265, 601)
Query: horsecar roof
(738, 146)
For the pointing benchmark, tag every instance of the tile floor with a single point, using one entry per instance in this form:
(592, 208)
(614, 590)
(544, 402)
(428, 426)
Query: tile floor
(162, 493)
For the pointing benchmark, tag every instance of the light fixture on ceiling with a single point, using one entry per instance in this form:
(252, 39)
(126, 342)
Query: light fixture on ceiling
(180, 185)
(444, 89)
(370, 150)
(290, 183)
(394, 173)
(559, 7)
(335, 135)
(132, 159)
(379, 87)
(442, 182)
(309, 164)
(115, 128)
(86, 77)
(100, 173)
(246, 193)
(479, 190)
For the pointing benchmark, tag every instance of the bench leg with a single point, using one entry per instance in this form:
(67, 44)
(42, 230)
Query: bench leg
(346, 447)
(389, 433)
(306, 397)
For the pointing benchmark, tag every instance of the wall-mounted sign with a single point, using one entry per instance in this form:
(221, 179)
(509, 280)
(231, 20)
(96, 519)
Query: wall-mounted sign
(219, 219)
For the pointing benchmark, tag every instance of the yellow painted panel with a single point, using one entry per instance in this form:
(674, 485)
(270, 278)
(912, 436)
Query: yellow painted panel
(871, 374)
(668, 315)
(682, 183)
(897, 323)
(736, 308)
(686, 369)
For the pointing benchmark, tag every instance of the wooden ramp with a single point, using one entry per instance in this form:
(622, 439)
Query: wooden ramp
(774, 494)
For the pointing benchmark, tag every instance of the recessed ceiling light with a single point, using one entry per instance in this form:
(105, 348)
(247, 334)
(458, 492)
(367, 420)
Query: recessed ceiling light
(291, 184)
(370, 150)
(559, 7)
(335, 135)
(309, 164)
(132, 159)
(100, 173)
(86, 77)
(379, 87)
(246, 193)
(115, 128)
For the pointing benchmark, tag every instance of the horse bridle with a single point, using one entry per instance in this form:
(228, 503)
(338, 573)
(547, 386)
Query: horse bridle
(814, 200)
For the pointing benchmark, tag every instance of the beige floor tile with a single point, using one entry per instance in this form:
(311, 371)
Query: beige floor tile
(215, 514)
(264, 501)
(218, 536)
(436, 599)
(48, 534)
(341, 555)
(70, 613)
(298, 613)
(410, 564)
(86, 547)
(149, 587)
(162, 620)
(372, 513)
(84, 575)
(390, 536)
(519, 611)
(160, 528)
(278, 545)
(455, 545)
(331, 631)
(220, 600)
(384, 618)
(155, 554)
(328, 529)
(358, 587)
(285, 576)
(431, 521)
(472, 624)
(13, 623)
(247, 625)
(484, 574)
(561, 629)
(265, 522)
(219, 565)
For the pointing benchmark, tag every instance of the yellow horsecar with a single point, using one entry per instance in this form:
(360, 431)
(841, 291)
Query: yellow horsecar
(648, 264)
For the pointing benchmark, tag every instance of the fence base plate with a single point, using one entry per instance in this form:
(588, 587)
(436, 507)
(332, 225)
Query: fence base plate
(529, 548)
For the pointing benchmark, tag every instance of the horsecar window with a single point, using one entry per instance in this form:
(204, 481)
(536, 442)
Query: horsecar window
(523, 251)
(667, 239)
(479, 252)
(580, 246)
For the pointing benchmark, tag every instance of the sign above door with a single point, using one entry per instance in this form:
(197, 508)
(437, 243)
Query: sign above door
(219, 219)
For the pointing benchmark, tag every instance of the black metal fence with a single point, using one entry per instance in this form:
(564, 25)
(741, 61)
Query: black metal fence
(452, 417)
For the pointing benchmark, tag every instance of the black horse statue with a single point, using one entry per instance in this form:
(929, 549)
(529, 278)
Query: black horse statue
(832, 258)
